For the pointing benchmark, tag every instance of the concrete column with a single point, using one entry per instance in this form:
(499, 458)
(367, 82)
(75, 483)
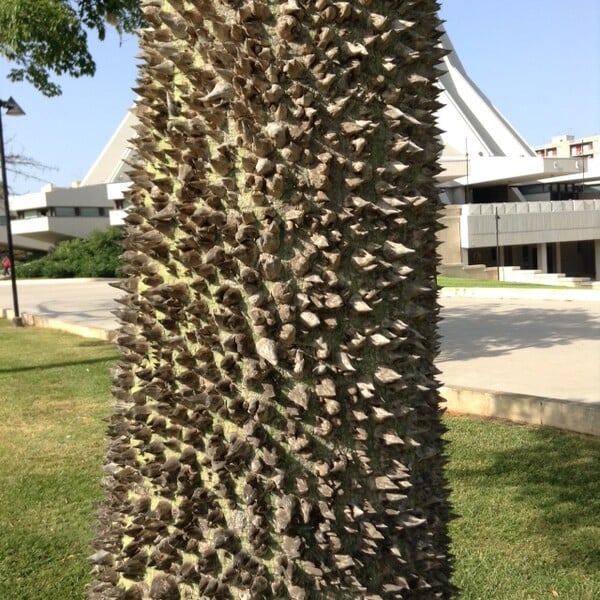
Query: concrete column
(542, 257)
(558, 266)
(464, 256)
(449, 237)
(597, 258)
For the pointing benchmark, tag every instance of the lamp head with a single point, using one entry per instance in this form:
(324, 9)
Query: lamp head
(12, 108)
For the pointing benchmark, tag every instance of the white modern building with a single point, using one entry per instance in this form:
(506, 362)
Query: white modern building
(55, 214)
(40, 220)
(505, 204)
(20, 242)
(511, 206)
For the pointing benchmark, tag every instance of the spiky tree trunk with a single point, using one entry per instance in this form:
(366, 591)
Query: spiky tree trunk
(277, 431)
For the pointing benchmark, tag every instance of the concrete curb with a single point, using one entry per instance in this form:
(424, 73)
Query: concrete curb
(570, 415)
(7, 281)
(42, 322)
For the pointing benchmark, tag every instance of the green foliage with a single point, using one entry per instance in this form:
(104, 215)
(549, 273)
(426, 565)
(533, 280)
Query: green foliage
(97, 256)
(51, 444)
(42, 37)
(528, 501)
(460, 282)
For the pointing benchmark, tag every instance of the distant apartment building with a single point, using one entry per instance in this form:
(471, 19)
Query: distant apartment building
(568, 145)
(585, 183)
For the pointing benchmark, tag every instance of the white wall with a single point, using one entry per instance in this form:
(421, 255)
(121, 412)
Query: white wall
(92, 195)
(54, 229)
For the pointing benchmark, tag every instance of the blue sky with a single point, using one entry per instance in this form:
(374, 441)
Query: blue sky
(536, 60)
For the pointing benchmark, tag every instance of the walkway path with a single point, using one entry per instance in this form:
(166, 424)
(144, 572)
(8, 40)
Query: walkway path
(541, 349)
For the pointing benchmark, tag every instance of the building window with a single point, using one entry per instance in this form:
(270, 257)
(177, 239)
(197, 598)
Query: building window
(577, 149)
(91, 211)
(65, 211)
(534, 188)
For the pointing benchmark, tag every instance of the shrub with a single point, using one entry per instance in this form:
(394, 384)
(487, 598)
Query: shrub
(97, 256)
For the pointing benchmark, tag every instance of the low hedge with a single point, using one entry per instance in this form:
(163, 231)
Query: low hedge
(97, 256)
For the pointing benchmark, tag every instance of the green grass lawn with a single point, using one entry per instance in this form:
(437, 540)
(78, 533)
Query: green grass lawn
(54, 394)
(529, 499)
(489, 283)
(529, 506)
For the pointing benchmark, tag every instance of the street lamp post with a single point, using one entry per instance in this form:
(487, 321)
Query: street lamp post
(12, 109)
(582, 171)
(497, 219)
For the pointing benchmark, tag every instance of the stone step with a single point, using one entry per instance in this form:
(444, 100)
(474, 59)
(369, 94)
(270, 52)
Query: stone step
(517, 274)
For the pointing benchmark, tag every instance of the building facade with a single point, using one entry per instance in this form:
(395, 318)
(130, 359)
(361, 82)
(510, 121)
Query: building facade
(506, 204)
(512, 205)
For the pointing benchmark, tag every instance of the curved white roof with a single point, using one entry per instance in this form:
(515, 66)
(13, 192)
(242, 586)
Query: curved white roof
(471, 125)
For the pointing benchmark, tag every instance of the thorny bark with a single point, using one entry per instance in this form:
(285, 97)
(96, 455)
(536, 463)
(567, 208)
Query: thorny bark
(277, 427)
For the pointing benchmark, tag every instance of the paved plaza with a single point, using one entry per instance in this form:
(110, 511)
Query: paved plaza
(544, 348)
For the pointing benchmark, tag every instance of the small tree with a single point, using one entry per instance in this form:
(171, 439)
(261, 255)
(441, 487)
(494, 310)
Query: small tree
(26, 166)
(42, 37)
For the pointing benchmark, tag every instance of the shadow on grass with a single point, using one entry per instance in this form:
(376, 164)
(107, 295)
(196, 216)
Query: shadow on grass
(557, 477)
(45, 366)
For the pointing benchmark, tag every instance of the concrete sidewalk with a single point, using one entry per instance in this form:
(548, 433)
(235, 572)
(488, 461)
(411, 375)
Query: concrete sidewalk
(530, 356)
(535, 361)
